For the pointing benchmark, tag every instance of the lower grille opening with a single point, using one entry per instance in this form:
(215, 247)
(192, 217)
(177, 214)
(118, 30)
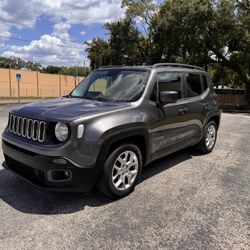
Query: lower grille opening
(30, 173)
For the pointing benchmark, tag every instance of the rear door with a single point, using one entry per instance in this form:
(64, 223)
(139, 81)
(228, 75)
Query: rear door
(195, 93)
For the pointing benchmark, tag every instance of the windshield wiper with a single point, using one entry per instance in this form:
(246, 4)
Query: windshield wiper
(100, 98)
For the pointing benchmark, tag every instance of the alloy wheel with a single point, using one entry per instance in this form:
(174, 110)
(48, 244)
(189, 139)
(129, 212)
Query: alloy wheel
(210, 136)
(125, 170)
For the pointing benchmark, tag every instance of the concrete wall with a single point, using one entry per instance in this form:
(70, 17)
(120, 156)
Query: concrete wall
(35, 84)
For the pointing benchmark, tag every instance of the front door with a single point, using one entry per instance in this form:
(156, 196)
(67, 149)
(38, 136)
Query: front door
(169, 129)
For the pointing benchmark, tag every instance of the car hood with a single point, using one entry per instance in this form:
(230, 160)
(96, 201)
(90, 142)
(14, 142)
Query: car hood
(67, 109)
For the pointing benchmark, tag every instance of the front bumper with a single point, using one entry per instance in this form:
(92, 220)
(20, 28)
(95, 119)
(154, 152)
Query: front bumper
(48, 172)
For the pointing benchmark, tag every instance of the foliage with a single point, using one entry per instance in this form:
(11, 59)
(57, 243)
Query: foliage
(99, 52)
(125, 46)
(17, 63)
(213, 34)
(126, 43)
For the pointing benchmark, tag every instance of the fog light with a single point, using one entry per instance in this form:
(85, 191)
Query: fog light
(67, 174)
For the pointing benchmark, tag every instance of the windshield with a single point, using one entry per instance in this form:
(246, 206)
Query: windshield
(123, 85)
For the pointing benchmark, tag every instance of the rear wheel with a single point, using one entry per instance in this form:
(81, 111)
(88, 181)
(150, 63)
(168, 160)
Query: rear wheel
(208, 141)
(121, 171)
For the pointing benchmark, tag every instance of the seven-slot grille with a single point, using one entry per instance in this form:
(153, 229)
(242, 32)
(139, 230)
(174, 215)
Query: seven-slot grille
(28, 128)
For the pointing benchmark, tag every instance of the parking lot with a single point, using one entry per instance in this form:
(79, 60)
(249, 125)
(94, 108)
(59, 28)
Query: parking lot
(185, 201)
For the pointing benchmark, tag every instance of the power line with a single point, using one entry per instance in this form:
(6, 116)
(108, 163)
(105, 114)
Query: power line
(26, 40)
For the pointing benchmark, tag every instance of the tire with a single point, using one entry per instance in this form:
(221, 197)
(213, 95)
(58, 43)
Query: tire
(114, 166)
(205, 146)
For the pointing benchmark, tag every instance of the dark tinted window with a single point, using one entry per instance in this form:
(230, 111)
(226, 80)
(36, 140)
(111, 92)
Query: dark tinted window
(194, 87)
(168, 82)
(205, 84)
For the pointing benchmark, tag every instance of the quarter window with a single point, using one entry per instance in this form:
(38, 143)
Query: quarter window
(193, 86)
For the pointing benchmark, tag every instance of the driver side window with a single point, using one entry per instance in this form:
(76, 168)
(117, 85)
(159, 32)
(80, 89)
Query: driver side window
(168, 82)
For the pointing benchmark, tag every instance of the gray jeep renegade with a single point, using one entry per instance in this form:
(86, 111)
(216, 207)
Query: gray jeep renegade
(117, 120)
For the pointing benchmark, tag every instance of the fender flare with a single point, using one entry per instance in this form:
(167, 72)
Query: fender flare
(109, 137)
(213, 114)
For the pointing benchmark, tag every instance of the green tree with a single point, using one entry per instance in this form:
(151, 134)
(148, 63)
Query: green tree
(142, 13)
(204, 33)
(213, 34)
(12, 63)
(126, 43)
(33, 66)
(99, 53)
(75, 71)
(52, 69)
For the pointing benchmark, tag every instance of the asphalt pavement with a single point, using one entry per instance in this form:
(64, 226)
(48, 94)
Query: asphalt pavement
(185, 201)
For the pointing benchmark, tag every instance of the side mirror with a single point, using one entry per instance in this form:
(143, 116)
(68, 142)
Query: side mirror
(168, 97)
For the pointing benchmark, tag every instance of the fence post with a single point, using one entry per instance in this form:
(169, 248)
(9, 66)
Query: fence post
(10, 83)
(37, 84)
(60, 86)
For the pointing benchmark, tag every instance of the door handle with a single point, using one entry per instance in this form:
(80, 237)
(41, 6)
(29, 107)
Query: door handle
(183, 111)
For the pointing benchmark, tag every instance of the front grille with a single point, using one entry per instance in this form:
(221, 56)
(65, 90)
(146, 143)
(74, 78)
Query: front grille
(27, 128)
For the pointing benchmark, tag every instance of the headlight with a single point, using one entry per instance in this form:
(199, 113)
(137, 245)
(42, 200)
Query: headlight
(61, 131)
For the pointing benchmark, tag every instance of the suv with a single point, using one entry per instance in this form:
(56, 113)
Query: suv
(117, 120)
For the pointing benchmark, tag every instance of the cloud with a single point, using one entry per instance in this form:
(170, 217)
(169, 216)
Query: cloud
(26, 12)
(55, 48)
(61, 31)
(82, 33)
(4, 31)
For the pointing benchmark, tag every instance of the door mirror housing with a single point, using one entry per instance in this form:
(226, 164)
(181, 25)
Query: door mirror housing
(168, 97)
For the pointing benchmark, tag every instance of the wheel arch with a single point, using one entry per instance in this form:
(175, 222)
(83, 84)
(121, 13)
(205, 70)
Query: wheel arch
(139, 137)
(216, 119)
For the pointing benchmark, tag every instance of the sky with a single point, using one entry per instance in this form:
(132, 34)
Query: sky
(53, 32)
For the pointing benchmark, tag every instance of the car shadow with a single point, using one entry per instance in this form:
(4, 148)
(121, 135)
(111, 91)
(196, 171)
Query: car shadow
(25, 198)
(167, 162)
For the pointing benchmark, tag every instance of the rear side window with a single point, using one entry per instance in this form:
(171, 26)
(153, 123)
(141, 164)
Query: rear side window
(193, 85)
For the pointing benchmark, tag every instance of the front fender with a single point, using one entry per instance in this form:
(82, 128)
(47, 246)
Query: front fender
(122, 134)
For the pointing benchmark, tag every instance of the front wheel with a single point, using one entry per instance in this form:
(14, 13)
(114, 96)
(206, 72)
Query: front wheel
(208, 141)
(121, 171)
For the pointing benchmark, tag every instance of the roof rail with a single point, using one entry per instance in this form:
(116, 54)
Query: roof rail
(109, 66)
(176, 65)
(129, 66)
